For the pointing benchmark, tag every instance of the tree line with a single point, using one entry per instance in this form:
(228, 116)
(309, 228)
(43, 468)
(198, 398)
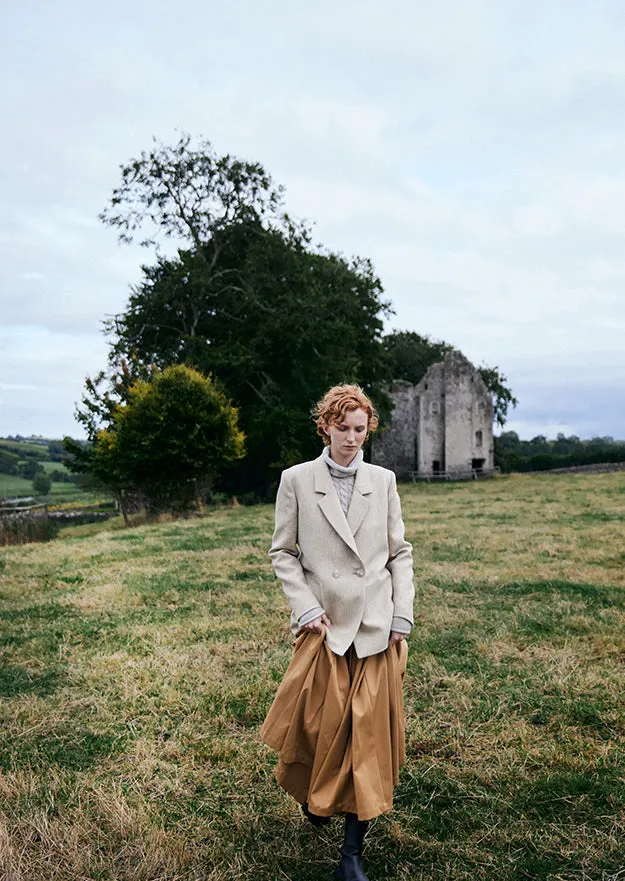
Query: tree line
(541, 454)
(249, 306)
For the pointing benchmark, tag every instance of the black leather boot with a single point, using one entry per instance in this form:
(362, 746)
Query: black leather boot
(314, 819)
(350, 868)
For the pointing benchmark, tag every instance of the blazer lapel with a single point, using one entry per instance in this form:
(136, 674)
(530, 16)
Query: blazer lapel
(330, 505)
(360, 500)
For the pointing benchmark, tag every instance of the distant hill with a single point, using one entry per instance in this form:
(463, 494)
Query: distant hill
(46, 449)
(21, 458)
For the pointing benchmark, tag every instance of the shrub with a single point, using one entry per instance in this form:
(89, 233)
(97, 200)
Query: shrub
(26, 526)
(41, 484)
(29, 468)
(58, 476)
(166, 442)
(8, 462)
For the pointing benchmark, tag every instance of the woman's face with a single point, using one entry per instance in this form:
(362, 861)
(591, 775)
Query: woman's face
(348, 436)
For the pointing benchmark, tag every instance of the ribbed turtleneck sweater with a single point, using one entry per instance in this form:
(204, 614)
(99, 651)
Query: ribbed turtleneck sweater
(343, 477)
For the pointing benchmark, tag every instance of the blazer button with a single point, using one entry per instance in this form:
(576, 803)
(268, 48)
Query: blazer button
(359, 572)
(336, 574)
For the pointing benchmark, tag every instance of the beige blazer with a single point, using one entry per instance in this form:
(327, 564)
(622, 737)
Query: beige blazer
(359, 568)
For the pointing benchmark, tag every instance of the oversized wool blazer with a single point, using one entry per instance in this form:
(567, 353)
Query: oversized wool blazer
(358, 569)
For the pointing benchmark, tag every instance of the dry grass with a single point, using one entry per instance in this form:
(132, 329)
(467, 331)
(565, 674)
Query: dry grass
(136, 666)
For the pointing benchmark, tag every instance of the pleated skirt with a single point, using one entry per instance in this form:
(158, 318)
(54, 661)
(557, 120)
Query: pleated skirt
(337, 724)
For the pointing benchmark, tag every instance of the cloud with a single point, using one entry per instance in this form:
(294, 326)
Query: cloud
(473, 151)
(41, 378)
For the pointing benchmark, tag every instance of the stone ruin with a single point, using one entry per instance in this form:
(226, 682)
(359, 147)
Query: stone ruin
(440, 428)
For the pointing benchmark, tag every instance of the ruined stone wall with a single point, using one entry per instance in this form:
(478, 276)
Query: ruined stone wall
(431, 421)
(459, 399)
(483, 425)
(445, 423)
(394, 447)
(468, 417)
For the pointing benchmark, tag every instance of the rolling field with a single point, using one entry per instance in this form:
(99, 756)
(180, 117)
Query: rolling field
(23, 446)
(137, 665)
(13, 486)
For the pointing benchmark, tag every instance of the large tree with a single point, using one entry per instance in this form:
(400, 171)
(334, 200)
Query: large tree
(188, 193)
(248, 300)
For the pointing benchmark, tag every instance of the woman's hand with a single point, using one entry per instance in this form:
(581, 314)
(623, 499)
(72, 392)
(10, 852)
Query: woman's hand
(396, 637)
(317, 623)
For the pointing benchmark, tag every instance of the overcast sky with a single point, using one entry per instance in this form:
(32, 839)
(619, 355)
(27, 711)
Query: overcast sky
(474, 149)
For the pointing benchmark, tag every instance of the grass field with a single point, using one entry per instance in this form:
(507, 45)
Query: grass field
(12, 486)
(54, 466)
(136, 666)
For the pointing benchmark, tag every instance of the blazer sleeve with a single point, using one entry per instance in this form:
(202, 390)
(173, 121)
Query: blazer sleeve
(284, 551)
(400, 558)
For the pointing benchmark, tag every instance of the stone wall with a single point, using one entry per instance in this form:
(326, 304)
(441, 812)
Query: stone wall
(445, 423)
(458, 414)
(430, 439)
(394, 446)
(468, 417)
(599, 468)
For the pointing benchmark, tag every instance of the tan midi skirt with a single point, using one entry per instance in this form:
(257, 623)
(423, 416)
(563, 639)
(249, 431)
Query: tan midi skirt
(337, 723)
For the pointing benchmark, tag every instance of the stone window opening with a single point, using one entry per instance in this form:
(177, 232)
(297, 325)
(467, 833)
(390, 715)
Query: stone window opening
(479, 438)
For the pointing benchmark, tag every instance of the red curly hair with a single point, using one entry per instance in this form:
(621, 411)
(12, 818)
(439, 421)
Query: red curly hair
(336, 402)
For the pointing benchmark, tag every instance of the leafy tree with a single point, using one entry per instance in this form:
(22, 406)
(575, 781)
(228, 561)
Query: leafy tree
(190, 194)
(248, 300)
(29, 468)
(41, 484)
(502, 396)
(59, 476)
(168, 439)
(295, 323)
(8, 462)
(100, 400)
(411, 355)
(539, 444)
(55, 451)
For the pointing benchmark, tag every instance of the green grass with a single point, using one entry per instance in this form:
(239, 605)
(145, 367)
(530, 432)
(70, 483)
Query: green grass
(55, 466)
(137, 665)
(12, 486)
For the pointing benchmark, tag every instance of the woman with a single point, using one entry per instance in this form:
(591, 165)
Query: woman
(339, 550)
